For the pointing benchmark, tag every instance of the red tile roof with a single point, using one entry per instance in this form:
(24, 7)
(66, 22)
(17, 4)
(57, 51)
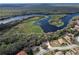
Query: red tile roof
(21, 53)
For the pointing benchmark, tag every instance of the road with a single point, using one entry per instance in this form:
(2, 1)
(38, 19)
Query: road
(43, 51)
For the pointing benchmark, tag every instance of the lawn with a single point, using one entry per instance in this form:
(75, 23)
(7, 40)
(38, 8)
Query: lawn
(27, 27)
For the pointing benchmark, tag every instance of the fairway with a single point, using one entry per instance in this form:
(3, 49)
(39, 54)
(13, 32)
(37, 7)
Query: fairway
(27, 26)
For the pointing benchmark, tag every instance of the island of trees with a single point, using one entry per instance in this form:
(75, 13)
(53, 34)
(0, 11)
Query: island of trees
(55, 20)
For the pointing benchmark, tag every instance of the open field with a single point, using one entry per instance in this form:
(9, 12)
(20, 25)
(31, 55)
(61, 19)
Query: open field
(27, 26)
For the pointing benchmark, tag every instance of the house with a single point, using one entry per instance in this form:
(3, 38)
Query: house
(76, 27)
(78, 22)
(61, 41)
(77, 50)
(54, 43)
(68, 39)
(22, 52)
(73, 50)
(70, 35)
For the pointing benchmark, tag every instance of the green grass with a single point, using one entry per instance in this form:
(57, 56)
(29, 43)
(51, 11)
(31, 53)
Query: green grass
(58, 24)
(55, 20)
(27, 27)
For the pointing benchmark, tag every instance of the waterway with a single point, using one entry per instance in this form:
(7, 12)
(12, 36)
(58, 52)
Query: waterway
(43, 23)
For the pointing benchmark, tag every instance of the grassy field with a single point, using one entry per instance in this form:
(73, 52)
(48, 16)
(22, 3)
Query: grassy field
(27, 27)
